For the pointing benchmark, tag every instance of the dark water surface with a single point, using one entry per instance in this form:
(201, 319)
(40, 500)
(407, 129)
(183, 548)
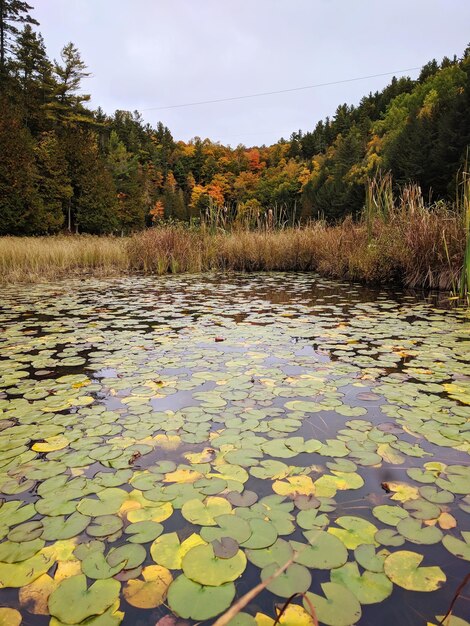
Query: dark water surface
(136, 413)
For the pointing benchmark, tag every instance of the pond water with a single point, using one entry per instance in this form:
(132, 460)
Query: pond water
(168, 443)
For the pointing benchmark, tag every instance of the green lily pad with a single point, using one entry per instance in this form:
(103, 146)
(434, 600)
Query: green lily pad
(324, 550)
(460, 549)
(354, 531)
(13, 552)
(109, 502)
(202, 566)
(143, 532)
(338, 607)
(413, 530)
(104, 526)
(280, 552)
(263, 535)
(227, 526)
(26, 532)
(193, 601)
(203, 513)
(389, 537)
(72, 602)
(167, 550)
(295, 579)
(403, 569)
(366, 556)
(56, 528)
(369, 587)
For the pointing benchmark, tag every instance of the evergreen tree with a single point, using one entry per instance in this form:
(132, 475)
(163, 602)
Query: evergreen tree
(92, 207)
(53, 182)
(33, 72)
(19, 198)
(12, 12)
(67, 104)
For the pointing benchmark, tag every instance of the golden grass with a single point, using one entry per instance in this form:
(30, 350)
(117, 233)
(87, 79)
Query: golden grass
(33, 259)
(416, 248)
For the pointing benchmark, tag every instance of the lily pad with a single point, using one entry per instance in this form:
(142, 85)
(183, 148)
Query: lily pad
(72, 602)
(403, 569)
(295, 579)
(190, 600)
(150, 592)
(338, 607)
(202, 566)
(354, 531)
(369, 587)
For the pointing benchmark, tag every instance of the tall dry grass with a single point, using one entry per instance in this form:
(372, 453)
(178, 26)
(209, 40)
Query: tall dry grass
(33, 259)
(398, 240)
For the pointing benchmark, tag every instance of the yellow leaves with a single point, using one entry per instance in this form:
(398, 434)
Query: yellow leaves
(167, 550)
(51, 444)
(445, 520)
(295, 485)
(389, 454)
(206, 456)
(34, 597)
(458, 392)
(154, 514)
(66, 569)
(150, 592)
(294, 615)
(168, 442)
(9, 617)
(402, 491)
(182, 476)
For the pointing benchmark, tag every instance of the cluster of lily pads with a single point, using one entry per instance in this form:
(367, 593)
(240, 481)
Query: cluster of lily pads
(167, 443)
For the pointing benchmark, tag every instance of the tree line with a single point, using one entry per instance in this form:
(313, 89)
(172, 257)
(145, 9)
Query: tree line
(66, 166)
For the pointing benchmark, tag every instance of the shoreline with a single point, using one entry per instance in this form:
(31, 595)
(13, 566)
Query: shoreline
(421, 252)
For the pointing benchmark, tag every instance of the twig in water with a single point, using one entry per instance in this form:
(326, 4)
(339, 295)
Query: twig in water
(289, 600)
(244, 600)
(460, 588)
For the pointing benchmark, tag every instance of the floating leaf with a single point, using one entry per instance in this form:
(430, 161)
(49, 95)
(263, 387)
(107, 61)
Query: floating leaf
(193, 601)
(460, 549)
(403, 569)
(203, 513)
(34, 597)
(295, 579)
(324, 550)
(369, 587)
(167, 550)
(150, 592)
(10, 617)
(227, 526)
(339, 606)
(202, 566)
(354, 531)
(72, 602)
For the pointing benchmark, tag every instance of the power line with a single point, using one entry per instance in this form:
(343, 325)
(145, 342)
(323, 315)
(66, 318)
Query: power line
(272, 93)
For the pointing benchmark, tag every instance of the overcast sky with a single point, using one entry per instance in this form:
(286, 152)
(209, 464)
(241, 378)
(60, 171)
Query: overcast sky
(145, 54)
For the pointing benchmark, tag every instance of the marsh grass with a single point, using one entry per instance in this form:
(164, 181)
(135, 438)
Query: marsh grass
(32, 259)
(399, 240)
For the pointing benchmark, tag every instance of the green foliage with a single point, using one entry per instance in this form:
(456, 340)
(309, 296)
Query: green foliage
(83, 170)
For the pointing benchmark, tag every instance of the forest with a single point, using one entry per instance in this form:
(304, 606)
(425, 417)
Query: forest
(66, 167)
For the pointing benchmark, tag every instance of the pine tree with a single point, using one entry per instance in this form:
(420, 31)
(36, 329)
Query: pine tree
(19, 198)
(127, 175)
(67, 104)
(53, 182)
(92, 207)
(12, 12)
(33, 72)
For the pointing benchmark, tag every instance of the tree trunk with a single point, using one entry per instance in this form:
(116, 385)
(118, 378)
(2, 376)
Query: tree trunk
(2, 35)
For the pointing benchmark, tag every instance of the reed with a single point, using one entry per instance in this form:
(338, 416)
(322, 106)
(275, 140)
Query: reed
(399, 240)
(34, 259)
